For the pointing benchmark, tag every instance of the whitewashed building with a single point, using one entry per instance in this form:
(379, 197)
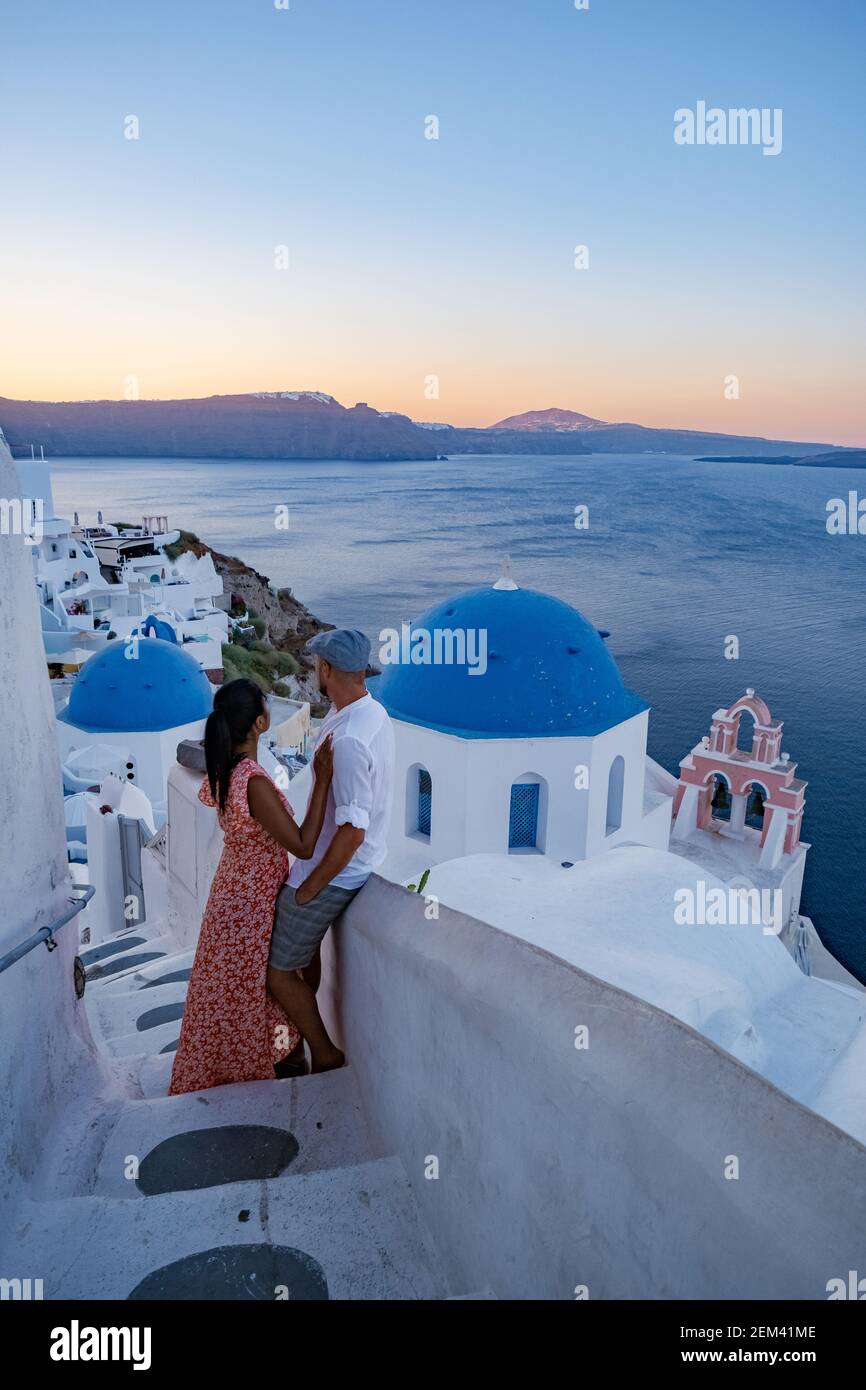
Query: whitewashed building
(537, 747)
(142, 698)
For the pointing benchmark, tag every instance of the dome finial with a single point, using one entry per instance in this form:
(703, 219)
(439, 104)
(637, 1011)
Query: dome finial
(505, 580)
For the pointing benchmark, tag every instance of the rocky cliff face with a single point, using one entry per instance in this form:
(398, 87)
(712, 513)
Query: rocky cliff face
(289, 622)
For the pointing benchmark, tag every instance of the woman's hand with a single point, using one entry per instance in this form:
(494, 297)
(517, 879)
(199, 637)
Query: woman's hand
(323, 760)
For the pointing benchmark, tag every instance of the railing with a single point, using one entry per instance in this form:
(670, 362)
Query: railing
(46, 934)
(17, 452)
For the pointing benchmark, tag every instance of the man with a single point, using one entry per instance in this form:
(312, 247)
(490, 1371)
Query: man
(352, 842)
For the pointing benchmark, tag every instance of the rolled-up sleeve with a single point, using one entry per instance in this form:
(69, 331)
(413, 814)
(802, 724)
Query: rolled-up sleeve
(352, 785)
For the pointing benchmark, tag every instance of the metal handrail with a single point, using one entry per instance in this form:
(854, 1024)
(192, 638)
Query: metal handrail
(46, 934)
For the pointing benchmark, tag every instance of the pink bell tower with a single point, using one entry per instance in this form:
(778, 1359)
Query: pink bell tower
(720, 784)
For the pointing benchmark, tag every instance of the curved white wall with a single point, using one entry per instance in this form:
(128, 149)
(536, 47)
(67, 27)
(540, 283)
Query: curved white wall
(47, 1045)
(560, 1167)
(195, 843)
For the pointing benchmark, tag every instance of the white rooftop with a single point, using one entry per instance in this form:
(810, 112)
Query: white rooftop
(613, 917)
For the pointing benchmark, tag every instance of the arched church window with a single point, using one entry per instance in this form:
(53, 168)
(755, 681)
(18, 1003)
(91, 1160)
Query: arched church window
(425, 801)
(523, 815)
(615, 781)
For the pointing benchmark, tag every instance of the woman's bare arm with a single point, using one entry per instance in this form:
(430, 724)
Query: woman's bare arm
(267, 808)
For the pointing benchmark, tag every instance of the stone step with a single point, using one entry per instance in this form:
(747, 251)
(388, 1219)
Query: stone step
(147, 976)
(319, 1117)
(343, 1233)
(120, 958)
(136, 1013)
(260, 1190)
(152, 1041)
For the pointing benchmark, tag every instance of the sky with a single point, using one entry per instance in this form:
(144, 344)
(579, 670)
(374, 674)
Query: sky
(437, 277)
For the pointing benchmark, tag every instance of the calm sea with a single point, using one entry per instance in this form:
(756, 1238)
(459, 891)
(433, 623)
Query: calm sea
(678, 557)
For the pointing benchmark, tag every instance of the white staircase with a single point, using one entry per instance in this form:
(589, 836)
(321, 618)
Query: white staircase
(334, 1218)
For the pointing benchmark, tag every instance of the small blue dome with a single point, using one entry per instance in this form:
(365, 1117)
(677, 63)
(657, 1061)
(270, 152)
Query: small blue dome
(548, 672)
(159, 688)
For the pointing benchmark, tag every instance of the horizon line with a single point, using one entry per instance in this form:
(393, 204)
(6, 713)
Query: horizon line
(292, 393)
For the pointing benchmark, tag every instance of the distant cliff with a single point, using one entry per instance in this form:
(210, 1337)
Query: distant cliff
(839, 458)
(604, 436)
(264, 425)
(312, 425)
(286, 425)
(453, 440)
(551, 420)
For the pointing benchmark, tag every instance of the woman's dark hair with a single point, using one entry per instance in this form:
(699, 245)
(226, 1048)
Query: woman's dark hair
(236, 707)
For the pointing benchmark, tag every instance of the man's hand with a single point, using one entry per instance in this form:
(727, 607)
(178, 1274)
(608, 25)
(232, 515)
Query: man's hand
(305, 893)
(347, 840)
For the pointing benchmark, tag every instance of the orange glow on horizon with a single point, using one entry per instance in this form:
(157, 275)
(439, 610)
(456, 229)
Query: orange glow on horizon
(176, 348)
(770, 413)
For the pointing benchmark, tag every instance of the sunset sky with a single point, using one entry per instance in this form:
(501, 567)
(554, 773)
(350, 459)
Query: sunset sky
(411, 258)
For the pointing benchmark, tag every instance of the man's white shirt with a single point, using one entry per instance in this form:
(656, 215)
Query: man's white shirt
(361, 791)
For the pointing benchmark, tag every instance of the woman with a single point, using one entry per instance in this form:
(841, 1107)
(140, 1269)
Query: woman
(232, 1029)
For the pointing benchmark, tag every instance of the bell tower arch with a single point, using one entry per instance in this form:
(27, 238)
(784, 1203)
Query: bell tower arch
(763, 766)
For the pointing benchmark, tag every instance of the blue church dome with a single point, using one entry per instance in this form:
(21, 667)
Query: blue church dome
(160, 688)
(548, 673)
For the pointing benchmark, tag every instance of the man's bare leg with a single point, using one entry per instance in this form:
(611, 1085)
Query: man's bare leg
(312, 973)
(298, 1000)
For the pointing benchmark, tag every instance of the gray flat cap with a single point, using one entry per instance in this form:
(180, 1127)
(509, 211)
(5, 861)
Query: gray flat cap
(345, 647)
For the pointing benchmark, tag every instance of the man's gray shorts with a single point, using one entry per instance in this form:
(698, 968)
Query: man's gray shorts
(299, 930)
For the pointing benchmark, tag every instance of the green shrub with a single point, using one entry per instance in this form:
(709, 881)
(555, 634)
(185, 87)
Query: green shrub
(285, 664)
(258, 662)
(186, 542)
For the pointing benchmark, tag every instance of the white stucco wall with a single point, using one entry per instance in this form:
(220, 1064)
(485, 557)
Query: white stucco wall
(472, 779)
(195, 843)
(154, 754)
(47, 1045)
(561, 1167)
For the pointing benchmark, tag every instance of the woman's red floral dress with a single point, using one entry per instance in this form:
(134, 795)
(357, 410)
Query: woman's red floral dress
(232, 1029)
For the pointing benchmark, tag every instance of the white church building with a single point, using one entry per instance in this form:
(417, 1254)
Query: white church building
(520, 751)
(137, 699)
(543, 751)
